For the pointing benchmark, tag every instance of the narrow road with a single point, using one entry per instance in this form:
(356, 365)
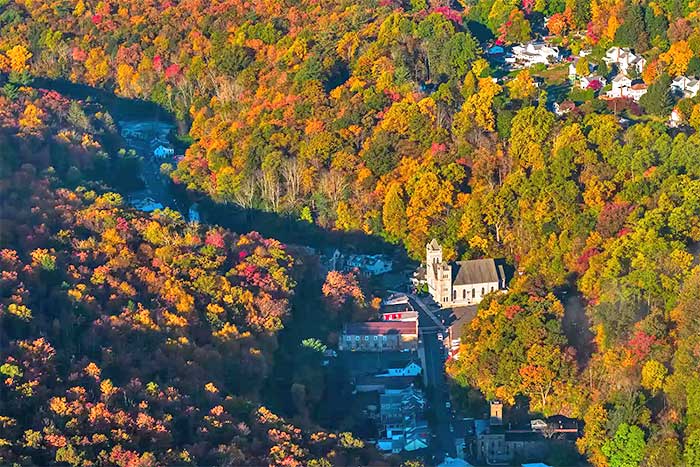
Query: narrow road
(438, 395)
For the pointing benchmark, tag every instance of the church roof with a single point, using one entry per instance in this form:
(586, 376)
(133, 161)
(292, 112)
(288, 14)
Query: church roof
(434, 245)
(475, 271)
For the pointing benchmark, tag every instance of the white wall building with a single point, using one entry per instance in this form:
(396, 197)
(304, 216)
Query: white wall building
(625, 59)
(622, 87)
(533, 53)
(685, 86)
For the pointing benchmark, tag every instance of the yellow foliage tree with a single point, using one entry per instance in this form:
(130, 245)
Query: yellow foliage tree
(19, 56)
(31, 118)
(694, 119)
(522, 87)
(677, 58)
(96, 66)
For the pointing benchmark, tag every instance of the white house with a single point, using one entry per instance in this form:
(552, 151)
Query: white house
(625, 60)
(162, 151)
(622, 87)
(533, 53)
(685, 86)
(461, 283)
(412, 369)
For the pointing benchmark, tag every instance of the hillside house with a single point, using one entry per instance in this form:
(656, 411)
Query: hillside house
(461, 283)
(380, 336)
(622, 88)
(533, 53)
(626, 61)
(685, 86)
(146, 204)
(371, 265)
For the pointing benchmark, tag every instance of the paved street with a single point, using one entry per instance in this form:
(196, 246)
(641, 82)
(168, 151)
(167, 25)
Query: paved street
(444, 441)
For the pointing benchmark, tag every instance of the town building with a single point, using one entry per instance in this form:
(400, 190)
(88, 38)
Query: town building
(397, 307)
(401, 416)
(496, 443)
(463, 282)
(412, 369)
(685, 86)
(399, 315)
(626, 61)
(380, 336)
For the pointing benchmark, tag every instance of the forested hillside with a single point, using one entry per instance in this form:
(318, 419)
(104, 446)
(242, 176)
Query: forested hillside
(128, 339)
(384, 117)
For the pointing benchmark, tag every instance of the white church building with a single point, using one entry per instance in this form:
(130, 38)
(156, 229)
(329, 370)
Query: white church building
(461, 283)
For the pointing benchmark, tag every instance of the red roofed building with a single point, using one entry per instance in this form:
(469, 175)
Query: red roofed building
(379, 336)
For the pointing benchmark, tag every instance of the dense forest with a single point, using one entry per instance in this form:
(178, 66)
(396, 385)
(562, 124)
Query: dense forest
(130, 339)
(384, 117)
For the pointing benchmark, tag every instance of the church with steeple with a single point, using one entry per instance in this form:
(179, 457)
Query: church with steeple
(461, 283)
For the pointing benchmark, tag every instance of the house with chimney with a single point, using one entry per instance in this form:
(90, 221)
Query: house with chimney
(461, 283)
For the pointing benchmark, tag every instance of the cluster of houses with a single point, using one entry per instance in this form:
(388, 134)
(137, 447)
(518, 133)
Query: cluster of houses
(493, 442)
(368, 265)
(383, 362)
(628, 65)
(624, 85)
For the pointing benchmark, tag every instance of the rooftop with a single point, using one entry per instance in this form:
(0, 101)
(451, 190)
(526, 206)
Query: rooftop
(381, 328)
(475, 271)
